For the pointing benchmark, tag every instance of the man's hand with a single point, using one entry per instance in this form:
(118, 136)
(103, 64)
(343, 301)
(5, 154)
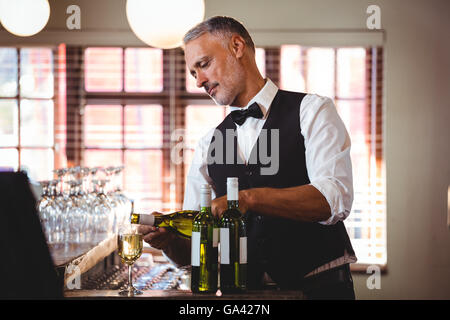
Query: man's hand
(219, 205)
(158, 238)
(174, 246)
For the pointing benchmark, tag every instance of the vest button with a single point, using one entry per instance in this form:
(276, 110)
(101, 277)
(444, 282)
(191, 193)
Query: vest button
(259, 218)
(249, 173)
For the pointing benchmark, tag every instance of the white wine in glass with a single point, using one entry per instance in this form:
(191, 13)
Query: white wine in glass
(130, 249)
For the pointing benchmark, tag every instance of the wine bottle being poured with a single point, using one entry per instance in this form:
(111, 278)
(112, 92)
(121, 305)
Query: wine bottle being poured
(179, 221)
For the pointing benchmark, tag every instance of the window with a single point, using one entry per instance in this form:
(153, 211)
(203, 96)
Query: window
(127, 70)
(126, 129)
(27, 110)
(350, 76)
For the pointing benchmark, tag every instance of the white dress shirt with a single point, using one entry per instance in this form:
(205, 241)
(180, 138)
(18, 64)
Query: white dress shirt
(327, 152)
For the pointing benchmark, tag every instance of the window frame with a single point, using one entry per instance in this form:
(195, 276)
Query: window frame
(124, 99)
(19, 97)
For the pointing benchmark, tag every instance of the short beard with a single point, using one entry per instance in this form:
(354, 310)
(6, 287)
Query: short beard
(233, 80)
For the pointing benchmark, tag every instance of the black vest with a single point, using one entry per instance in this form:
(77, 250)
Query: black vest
(286, 249)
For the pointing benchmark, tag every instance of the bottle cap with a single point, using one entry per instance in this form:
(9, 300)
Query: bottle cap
(233, 181)
(232, 188)
(205, 188)
(147, 219)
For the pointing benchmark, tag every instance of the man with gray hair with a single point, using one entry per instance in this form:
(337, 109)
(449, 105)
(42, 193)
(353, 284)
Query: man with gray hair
(296, 237)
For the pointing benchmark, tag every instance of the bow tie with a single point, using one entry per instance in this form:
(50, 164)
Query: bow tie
(239, 116)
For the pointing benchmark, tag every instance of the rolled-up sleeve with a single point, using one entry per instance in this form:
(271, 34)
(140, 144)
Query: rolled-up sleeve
(327, 145)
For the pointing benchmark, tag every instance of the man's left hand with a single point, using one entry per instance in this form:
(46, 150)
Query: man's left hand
(219, 205)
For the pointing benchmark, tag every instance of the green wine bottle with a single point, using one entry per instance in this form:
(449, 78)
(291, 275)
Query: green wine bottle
(233, 243)
(204, 247)
(179, 221)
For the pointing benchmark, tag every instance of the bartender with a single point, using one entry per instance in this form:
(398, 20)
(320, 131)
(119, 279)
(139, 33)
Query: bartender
(295, 205)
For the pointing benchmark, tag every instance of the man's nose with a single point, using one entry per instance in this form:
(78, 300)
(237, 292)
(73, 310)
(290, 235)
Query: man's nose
(201, 79)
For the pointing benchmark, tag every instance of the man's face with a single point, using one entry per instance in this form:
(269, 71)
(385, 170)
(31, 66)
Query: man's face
(214, 67)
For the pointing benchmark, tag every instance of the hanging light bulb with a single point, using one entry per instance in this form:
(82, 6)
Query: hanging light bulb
(163, 23)
(24, 18)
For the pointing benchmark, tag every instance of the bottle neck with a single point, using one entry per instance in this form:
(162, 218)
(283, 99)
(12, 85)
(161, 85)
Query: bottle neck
(147, 219)
(233, 204)
(206, 210)
(205, 200)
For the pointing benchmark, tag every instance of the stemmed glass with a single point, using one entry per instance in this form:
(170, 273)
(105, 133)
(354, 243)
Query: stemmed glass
(126, 202)
(102, 211)
(60, 200)
(57, 217)
(76, 211)
(45, 198)
(91, 194)
(87, 199)
(82, 205)
(114, 201)
(43, 210)
(130, 244)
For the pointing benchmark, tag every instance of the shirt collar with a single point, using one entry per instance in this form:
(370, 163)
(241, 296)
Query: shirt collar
(263, 98)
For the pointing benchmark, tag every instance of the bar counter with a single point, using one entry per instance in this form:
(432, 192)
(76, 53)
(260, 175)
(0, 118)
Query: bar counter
(186, 295)
(85, 269)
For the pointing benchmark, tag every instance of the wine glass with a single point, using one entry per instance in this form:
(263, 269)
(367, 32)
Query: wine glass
(72, 213)
(85, 198)
(45, 197)
(60, 200)
(102, 211)
(127, 203)
(113, 201)
(130, 245)
(43, 210)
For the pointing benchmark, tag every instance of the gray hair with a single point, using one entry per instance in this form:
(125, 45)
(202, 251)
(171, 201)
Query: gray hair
(219, 25)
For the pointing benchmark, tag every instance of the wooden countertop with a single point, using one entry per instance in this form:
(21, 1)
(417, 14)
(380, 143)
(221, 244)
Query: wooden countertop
(64, 254)
(78, 259)
(186, 295)
(82, 258)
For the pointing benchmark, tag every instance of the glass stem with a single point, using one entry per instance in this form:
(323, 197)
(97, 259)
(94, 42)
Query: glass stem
(130, 284)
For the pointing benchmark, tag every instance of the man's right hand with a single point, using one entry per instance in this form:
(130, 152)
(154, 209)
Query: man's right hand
(174, 246)
(158, 238)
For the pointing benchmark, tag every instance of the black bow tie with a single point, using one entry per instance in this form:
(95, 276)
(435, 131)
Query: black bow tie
(239, 116)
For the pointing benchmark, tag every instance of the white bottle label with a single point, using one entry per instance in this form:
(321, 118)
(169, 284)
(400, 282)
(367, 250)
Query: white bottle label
(224, 246)
(147, 219)
(243, 250)
(215, 237)
(195, 249)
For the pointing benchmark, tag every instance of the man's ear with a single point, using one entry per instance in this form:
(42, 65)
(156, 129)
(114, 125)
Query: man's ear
(237, 44)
